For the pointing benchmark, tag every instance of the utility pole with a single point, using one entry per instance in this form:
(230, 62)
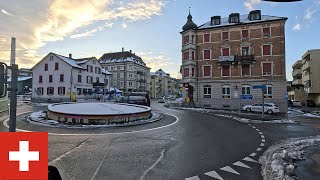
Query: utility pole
(14, 80)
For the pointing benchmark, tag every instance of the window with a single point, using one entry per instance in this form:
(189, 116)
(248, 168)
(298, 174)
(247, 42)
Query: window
(266, 32)
(79, 70)
(225, 70)
(97, 80)
(99, 70)
(206, 38)
(107, 68)
(61, 90)
(106, 82)
(268, 92)
(192, 55)
(50, 78)
(40, 91)
(89, 79)
(226, 92)
(186, 72)
(89, 91)
(130, 83)
(130, 75)
(255, 16)
(130, 66)
(45, 67)
(245, 71)
(121, 67)
(79, 78)
(51, 58)
(192, 72)
(206, 54)
(234, 19)
(245, 34)
(245, 51)
(266, 69)
(186, 40)
(50, 91)
(114, 83)
(93, 62)
(206, 71)
(79, 91)
(246, 89)
(225, 36)
(121, 83)
(40, 79)
(216, 21)
(111, 68)
(61, 77)
(114, 75)
(186, 55)
(266, 50)
(56, 66)
(206, 91)
(225, 51)
(121, 75)
(91, 68)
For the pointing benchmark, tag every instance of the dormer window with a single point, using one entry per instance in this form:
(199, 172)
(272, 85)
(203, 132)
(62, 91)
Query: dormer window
(255, 15)
(234, 18)
(215, 20)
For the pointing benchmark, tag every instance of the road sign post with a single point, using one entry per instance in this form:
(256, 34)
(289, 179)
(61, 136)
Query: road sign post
(263, 89)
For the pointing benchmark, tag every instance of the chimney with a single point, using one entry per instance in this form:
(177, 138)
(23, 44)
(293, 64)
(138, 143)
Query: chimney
(70, 55)
(122, 49)
(130, 51)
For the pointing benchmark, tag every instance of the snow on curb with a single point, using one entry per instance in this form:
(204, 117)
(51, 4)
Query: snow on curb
(244, 120)
(279, 161)
(312, 115)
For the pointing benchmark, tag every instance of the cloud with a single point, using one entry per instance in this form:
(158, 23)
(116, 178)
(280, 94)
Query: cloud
(39, 22)
(124, 25)
(155, 60)
(296, 27)
(249, 5)
(6, 12)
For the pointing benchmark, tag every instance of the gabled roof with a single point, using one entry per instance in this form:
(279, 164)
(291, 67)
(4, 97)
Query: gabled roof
(243, 20)
(125, 56)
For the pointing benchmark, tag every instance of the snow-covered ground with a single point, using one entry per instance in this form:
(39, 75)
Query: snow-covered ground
(279, 161)
(312, 115)
(40, 117)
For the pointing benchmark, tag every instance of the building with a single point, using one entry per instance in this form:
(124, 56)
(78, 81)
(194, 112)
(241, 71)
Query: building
(311, 74)
(60, 78)
(162, 84)
(296, 91)
(24, 83)
(225, 57)
(129, 72)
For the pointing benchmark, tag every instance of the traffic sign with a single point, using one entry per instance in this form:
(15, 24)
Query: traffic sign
(246, 96)
(259, 87)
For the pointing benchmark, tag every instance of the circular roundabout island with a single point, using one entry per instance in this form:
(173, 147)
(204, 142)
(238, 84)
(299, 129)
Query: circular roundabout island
(97, 113)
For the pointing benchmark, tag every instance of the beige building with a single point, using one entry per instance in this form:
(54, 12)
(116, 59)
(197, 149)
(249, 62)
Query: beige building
(162, 84)
(311, 74)
(297, 88)
(129, 72)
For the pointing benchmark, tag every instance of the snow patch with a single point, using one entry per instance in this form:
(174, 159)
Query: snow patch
(312, 115)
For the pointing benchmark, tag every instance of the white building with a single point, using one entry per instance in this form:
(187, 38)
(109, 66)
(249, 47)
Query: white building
(60, 78)
(129, 72)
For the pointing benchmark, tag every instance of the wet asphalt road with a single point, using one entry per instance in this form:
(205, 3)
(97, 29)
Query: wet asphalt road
(190, 145)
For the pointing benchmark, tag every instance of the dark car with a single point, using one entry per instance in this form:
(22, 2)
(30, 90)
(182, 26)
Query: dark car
(310, 103)
(140, 98)
(290, 103)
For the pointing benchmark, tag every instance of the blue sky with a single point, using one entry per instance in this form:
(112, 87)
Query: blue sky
(150, 28)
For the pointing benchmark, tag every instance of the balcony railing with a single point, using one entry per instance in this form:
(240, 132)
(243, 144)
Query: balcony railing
(244, 58)
(226, 59)
(297, 81)
(297, 72)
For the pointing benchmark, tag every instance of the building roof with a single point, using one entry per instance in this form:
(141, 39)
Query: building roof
(160, 72)
(20, 78)
(70, 61)
(243, 20)
(119, 57)
(189, 24)
(104, 71)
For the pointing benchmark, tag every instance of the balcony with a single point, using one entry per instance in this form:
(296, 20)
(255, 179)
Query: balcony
(188, 62)
(297, 82)
(306, 65)
(296, 72)
(245, 58)
(226, 59)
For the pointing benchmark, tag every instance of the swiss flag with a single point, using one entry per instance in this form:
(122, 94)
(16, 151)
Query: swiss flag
(23, 155)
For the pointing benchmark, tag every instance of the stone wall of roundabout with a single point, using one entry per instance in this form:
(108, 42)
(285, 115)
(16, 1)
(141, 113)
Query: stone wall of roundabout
(98, 113)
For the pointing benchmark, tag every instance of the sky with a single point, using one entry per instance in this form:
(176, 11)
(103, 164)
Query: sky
(150, 28)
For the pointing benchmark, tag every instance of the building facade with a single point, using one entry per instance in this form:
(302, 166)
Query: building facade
(162, 84)
(296, 87)
(129, 72)
(61, 78)
(223, 58)
(311, 74)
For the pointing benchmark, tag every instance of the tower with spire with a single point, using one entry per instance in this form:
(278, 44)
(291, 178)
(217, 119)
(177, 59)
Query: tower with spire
(189, 65)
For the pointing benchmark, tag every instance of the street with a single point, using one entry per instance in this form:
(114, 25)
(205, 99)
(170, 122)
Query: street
(184, 144)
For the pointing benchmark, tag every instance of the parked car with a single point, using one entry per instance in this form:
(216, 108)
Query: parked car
(121, 99)
(290, 103)
(140, 98)
(161, 100)
(269, 108)
(296, 103)
(310, 103)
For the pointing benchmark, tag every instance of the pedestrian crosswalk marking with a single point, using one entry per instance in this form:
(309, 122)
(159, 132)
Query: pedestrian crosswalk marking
(249, 159)
(262, 136)
(193, 178)
(253, 154)
(263, 140)
(259, 149)
(262, 144)
(213, 174)
(238, 163)
(260, 133)
(229, 169)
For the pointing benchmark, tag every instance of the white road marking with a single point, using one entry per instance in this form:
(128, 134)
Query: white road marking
(214, 174)
(263, 140)
(238, 163)
(193, 178)
(257, 130)
(229, 169)
(98, 168)
(262, 136)
(259, 149)
(253, 154)
(249, 159)
(260, 133)
(262, 144)
(5, 123)
(152, 166)
(253, 127)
